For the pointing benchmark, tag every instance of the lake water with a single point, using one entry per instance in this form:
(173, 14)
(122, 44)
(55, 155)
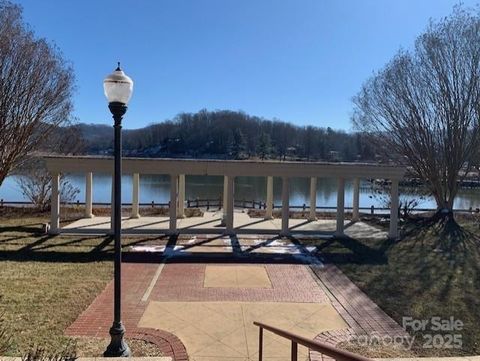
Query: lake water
(157, 188)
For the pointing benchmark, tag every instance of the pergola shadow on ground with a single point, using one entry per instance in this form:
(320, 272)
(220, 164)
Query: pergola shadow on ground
(183, 248)
(224, 249)
(246, 249)
(228, 220)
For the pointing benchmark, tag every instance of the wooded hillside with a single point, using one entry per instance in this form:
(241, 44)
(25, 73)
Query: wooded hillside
(232, 135)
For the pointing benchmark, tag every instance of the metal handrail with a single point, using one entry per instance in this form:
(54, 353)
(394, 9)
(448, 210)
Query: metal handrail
(323, 348)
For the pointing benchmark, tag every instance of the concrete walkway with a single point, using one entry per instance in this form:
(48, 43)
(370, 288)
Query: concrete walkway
(211, 223)
(225, 330)
(207, 291)
(212, 318)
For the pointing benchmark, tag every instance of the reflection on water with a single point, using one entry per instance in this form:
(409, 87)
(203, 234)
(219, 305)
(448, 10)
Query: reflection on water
(157, 188)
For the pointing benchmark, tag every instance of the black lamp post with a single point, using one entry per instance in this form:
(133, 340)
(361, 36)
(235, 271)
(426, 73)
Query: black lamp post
(118, 89)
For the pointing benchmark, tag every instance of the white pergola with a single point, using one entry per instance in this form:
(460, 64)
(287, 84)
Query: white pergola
(229, 169)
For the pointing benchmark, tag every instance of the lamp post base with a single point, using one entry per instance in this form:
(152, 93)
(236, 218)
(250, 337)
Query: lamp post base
(117, 347)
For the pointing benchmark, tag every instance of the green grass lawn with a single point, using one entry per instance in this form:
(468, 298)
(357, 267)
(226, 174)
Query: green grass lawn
(46, 282)
(430, 272)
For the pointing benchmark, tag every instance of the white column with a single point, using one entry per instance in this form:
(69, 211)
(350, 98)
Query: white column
(135, 196)
(313, 199)
(230, 204)
(285, 206)
(356, 200)
(224, 200)
(173, 203)
(55, 205)
(393, 233)
(88, 194)
(340, 206)
(181, 196)
(269, 210)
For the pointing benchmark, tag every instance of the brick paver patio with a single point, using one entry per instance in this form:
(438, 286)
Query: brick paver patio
(185, 282)
(180, 288)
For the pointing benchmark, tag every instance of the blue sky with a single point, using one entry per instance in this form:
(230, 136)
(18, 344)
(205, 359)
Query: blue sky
(296, 60)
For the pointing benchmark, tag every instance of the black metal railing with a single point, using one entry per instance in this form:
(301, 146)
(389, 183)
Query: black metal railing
(323, 348)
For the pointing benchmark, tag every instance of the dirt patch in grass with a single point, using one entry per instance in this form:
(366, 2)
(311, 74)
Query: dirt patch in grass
(147, 211)
(7, 212)
(73, 212)
(18, 215)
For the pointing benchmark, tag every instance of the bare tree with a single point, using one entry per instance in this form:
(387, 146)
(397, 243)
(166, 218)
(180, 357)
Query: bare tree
(410, 198)
(36, 185)
(36, 85)
(64, 140)
(33, 178)
(424, 105)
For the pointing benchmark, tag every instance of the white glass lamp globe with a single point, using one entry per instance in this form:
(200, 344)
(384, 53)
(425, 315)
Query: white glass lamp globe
(118, 87)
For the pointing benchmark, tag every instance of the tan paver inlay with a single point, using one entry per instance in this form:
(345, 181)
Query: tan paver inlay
(225, 330)
(236, 277)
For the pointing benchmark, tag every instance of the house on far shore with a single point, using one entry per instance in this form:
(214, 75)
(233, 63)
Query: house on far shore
(334, 156)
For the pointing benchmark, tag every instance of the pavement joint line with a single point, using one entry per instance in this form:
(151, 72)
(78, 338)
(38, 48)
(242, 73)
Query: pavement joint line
(154, 280)
(244, 328)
